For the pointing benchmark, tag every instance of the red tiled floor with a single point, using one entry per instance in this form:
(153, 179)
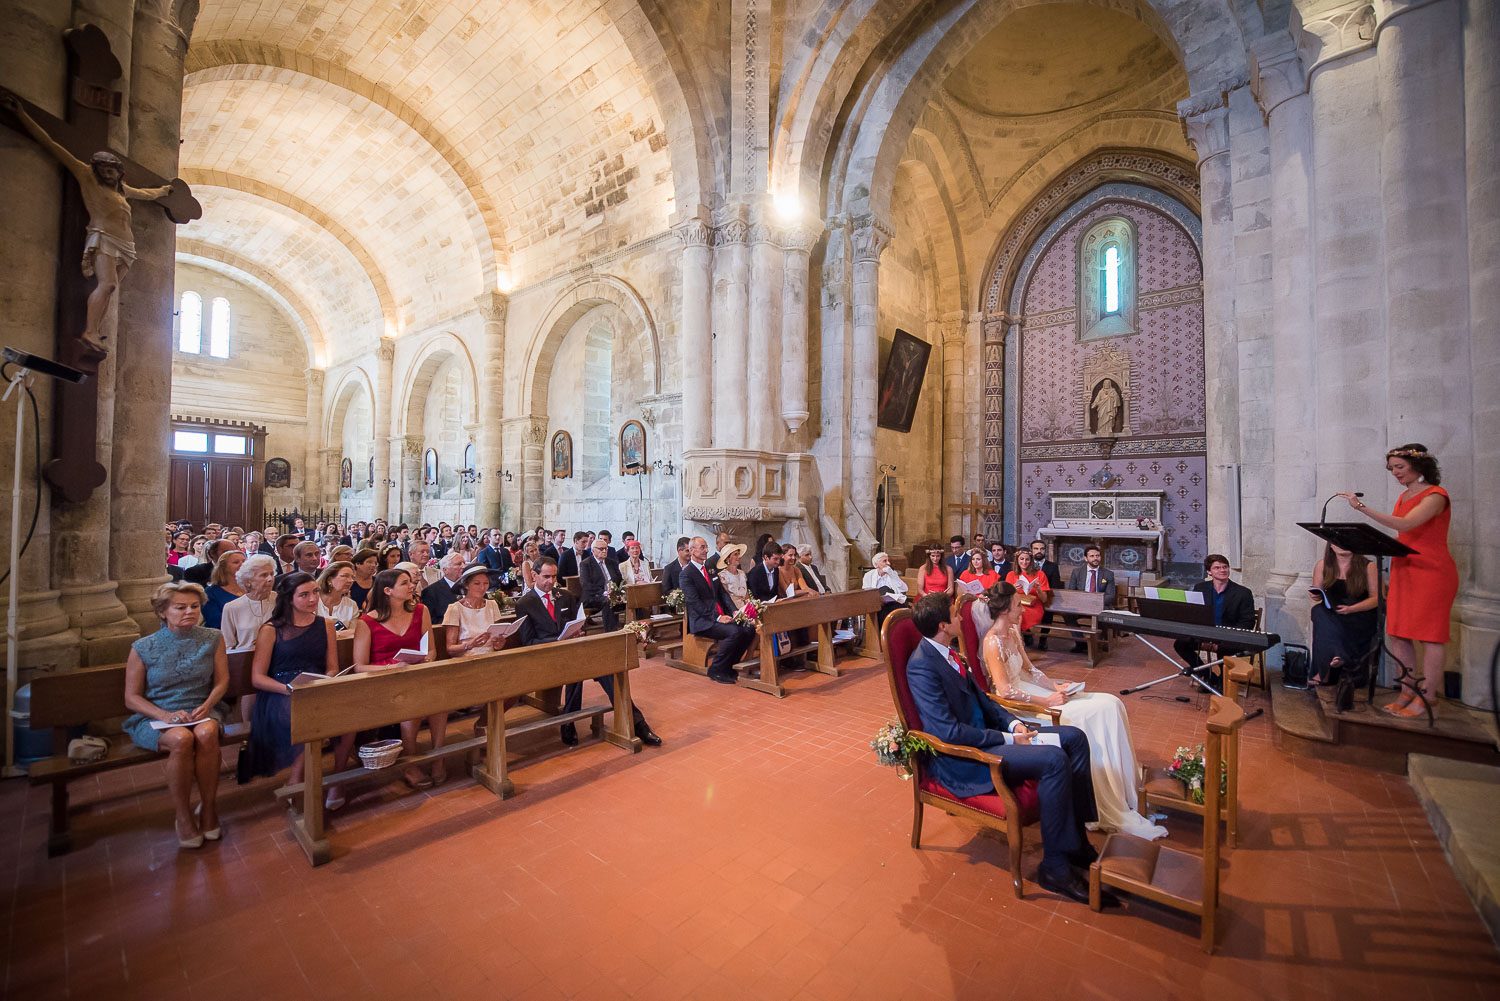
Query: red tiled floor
(760, 854)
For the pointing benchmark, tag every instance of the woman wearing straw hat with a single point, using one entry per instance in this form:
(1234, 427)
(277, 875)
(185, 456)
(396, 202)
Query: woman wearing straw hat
(731, 576)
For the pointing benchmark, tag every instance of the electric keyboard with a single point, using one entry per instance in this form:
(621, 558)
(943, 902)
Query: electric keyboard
(1227, 636)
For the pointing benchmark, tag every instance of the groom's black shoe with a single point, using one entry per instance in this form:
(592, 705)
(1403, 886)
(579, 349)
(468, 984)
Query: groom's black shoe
(1073, 886)
(1083, 857)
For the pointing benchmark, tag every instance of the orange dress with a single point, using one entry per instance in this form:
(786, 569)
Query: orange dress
(1031, 604)
(935, 582)
(1420, 602)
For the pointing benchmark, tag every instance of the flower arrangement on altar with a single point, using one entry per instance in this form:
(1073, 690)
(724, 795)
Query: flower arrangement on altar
(749, 613)
(894, 746)
(675, 601)
(1188, 767)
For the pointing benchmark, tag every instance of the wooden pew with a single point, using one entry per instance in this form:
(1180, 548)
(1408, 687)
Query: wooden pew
(1086, 606)
(641, 602)
(363, 701)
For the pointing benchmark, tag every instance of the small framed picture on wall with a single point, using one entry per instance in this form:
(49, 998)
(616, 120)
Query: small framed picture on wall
(562, 456)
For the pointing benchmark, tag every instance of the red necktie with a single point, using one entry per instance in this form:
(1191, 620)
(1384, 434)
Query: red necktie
(548, 599)
(1091, 579)
(956, 660)
(710, 584)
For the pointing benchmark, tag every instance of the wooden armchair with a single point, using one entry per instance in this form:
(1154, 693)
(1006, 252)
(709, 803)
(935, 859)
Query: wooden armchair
(1007, 810)
(968, 638)
(1168, 876)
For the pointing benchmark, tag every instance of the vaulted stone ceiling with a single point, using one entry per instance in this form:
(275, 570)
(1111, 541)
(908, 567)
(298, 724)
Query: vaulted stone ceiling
(388, 160)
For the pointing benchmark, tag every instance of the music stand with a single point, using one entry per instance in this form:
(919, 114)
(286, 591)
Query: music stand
(1366, 540)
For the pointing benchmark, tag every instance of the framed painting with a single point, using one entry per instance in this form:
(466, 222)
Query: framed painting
(346, 474)
(632, 448)
(562, 456)
(901, 383)
(278, 473)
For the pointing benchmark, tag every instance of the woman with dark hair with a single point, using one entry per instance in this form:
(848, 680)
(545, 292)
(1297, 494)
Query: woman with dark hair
(1423, 586)
(1343, 616)
(295, 640)
(366, 565)
(181, 546)
(396, 621)
(390, 556)
(935, 577)
(998, 616)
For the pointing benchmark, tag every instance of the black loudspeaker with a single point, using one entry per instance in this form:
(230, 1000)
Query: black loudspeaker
(1295, 661)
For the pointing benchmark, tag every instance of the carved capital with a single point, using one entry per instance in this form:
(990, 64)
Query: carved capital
(412, 446)
(765, 232)
(800, 239)
(1207, 131)
(1333, 34)
(695, 233)
(1276, 71)
(386, 349)
(731, 232)
(492, 306)
(315, 377)
(870, 241)
(530, 430)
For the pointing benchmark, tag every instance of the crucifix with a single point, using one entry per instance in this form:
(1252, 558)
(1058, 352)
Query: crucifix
(976, 512)
(95, 242)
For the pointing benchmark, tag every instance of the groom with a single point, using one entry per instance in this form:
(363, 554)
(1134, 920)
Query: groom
(956, 712)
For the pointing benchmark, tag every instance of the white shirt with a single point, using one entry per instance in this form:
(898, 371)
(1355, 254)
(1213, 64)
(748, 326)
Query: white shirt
(242, 619)
(346, 611)
(886, 578)
(947, 654)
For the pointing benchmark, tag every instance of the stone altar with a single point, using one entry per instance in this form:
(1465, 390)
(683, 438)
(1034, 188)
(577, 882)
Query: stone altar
(1101, 515)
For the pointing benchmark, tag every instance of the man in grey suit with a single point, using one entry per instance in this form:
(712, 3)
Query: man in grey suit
(1094, 578)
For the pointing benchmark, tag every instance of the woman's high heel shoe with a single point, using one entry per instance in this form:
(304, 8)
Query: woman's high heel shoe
(196, 841)
(213, 834)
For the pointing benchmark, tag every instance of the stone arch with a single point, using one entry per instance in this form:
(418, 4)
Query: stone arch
(351, 382)
(233, 265)
(430, 357)
(574, 301)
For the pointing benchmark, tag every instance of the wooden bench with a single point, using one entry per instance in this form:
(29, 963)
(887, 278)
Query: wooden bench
(641, 603)
(1087, 606)
(1156, 788)
(364, 701)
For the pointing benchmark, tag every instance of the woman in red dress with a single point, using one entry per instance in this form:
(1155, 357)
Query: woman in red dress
(980, 569)
(1423, 586)
(935, 577)
(1032, 589)
(398, 621)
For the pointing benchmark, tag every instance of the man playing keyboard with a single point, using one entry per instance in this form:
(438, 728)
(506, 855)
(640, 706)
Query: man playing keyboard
(1233, 605)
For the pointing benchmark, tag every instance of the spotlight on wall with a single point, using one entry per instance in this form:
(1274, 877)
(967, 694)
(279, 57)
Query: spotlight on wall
(469, 475)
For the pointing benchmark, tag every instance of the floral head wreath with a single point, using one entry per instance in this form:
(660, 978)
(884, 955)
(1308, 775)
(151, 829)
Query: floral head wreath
(1407, 453)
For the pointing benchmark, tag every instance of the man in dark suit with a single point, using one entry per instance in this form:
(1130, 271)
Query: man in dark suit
(1094, 578)
(1049, 570)
(957, 559)
(1233, 605)
(545, 547)
(438, 595)
(810, 571)
(571, 558)
(720, 541)
(496, 560)
(543, 612)
(670, 574)
(954, 711)
(708, 608)
(199, 573)
(761, 579)
(1000, 557)
(595, 574)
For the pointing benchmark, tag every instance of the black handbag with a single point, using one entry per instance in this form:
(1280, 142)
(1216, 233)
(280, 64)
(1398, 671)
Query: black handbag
(1296, 659)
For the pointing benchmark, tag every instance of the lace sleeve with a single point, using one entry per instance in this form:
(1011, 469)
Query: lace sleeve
(1001, 681)
(1029, 670)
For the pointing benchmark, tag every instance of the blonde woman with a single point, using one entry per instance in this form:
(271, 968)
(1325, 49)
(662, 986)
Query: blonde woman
(334, 601)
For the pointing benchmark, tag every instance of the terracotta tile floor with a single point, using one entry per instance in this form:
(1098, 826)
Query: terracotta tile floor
(761, 853)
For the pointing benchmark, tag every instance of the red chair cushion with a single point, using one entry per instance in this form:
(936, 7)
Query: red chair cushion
(991, 803)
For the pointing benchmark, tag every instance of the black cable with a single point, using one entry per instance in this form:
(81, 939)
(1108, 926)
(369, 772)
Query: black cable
(36, 453)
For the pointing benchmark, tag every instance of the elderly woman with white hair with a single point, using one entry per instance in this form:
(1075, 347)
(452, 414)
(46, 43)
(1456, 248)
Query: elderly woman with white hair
(882, 577)
(242, 618)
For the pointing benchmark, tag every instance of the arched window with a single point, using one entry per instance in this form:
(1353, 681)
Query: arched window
(1111, 278)
(370, 480)
(218, 328)
(430, 467)
(1106, 279)
(190, 323)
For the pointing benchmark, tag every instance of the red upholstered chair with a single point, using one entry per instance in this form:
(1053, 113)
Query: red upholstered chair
(1008, 809)
(968, 639)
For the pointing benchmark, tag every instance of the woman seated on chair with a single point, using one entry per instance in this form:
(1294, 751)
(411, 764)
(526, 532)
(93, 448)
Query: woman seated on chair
(636, 569)
(935, 577)
(735, 582)
(1344, 626)
(980, 569)
(178, 675)
(397, 621)
(334, 601)
(1032, 588)
(998, 616)
(469, 618)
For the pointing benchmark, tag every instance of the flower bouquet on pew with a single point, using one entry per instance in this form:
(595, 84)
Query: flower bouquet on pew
(894, 746)
(639, 628)
(614, 593)
(749, 613)
(675, 601)
(1188, 767)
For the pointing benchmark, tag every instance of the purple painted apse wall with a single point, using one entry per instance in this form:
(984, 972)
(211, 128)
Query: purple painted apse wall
(1164, 450)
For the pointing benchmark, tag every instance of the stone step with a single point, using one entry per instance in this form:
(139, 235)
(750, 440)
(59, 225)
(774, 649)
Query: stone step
(1462, 800)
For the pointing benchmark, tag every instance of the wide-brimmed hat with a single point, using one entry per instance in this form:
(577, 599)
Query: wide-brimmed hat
(731, 554)
(472, 570)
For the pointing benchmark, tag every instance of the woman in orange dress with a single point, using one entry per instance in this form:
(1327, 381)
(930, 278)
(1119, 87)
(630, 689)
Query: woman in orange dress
(935, 577)
(1032, 589)
(1423, 586)
(980, 569)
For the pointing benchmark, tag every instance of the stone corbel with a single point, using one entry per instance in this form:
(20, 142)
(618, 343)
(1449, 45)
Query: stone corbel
(1205, 124)
(492, 306)
(386, 349)
(1276, 72)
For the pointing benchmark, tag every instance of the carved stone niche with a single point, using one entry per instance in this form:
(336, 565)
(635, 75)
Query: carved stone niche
(741, 485)
(1104, 400)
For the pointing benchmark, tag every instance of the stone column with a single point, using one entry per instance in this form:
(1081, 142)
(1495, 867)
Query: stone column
(312, 461)
(33, 64)
(763, 369)
(731, 341)
(330, 498)
(412, 480)
(493, 307)
(385, 358)
(955, 399)
(1205, 122)
(1279, 84)
(1479, 603)
(870, 242)
(530, 435)
(796, 264)
(696, 335)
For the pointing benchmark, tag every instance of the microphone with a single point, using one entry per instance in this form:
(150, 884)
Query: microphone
(1323, 518)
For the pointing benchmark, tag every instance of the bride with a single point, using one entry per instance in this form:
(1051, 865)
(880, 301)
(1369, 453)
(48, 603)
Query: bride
(1100, 716)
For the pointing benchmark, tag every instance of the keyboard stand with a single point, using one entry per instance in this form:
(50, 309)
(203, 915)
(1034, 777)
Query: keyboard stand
(1183, 671)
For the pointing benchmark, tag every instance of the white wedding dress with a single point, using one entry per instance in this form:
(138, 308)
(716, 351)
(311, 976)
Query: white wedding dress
(1102, 719)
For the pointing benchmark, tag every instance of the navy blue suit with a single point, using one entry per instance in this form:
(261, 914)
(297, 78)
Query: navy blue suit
(956, 712)
(958, 564)
(704, 601)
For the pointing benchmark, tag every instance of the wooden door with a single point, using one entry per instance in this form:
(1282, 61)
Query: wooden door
(187, 498)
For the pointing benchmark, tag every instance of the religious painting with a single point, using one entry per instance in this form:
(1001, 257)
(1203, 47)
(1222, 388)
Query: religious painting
(346, 474)
(370, 480)
(430, 467)
(632, 448)
(901, 384)
(278, 473)
(562, 456)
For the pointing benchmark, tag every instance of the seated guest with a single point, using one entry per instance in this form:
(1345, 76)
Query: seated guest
(1033, 587)
(334, 601)
(366, 564)
(222, 586)
(764, 578)
(980, 569)
(731, 575)
(954, 711)
(397, 621)
(341, 554)
(623, 553)
(595, 573)
(1233, 605)
(670, 578)
(179, 675)
(306, 558)
(957, 559)
(1049, 570)
(613, 555)
(531, 555)
(243, 617)
(543, 613)
(294, 640)
(199, 573)
(250, 543)
(571, 558)
(470, 616)
(709, 613)
(814, 574)
(286, 545)
(441, 593)
(545, 545)
(1345, 632)
(1095, 579)
(419, 555)
(791, 580)
(181, 546)
(635, 569)
(720, 541)
(883, 578)
(497, 559)
(390, 556)
(1000, 559)
(935, 577)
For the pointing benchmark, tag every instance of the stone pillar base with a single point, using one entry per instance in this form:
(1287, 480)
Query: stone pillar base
(105, 628)
(1478, 633)
(136, 597)
(1287, 606)
(46, 643)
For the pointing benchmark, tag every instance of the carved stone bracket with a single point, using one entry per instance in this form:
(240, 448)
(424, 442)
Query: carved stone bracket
(492, 306)
(1206, 130)
(1276, 72)
(386, 349)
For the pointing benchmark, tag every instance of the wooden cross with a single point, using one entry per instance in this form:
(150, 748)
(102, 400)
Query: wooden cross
(74, 470)
(975, 510)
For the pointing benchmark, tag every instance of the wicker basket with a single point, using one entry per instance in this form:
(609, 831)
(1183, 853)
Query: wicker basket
(381, 754)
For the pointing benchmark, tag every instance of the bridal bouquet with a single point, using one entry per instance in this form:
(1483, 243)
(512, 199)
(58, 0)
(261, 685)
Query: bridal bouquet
(1189, 768)
(749, 615)
(894, 746)
(675, 601)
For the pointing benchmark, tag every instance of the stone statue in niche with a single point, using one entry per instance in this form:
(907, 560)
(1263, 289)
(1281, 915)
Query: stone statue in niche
(1106, 393)
(1104, 408)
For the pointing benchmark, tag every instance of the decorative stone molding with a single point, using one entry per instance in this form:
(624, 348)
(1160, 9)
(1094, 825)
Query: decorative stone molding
(695, 233)
(386, 349)
(530, 430)
(732, 231)
(870, 241)
(412, 446)
(765, 232)
(800, 239)
(1333, 34)
(742, 485)
(1276, 72)
(492, 306)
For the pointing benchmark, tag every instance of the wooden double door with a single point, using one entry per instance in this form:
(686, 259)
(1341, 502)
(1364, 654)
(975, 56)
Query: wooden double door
(208, 485)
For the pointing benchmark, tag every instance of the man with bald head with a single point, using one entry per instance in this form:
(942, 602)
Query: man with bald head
(710, 613)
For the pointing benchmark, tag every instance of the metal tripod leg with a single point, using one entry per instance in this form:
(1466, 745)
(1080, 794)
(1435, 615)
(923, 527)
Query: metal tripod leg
(1182, 672)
